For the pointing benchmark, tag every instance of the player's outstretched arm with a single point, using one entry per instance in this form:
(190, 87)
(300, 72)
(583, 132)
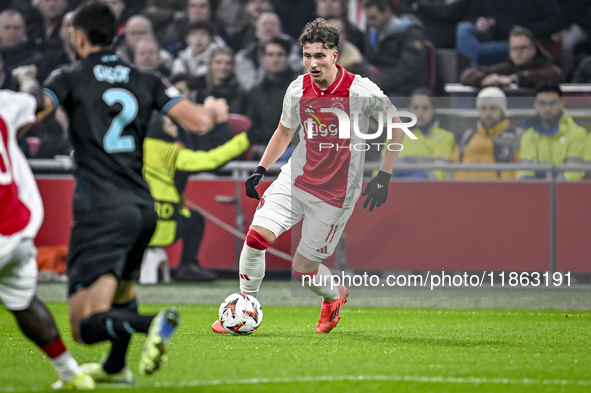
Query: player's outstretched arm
(390, 156)
(26, 80)
(199, 118)
(277, 145)
(48, 107)
(196, 160)
(376, 191)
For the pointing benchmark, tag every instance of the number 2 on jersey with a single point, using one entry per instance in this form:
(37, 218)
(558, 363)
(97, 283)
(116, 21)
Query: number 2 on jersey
(114, 142)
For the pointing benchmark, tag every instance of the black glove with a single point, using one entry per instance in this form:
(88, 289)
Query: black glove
(376, 190)
(253, 181)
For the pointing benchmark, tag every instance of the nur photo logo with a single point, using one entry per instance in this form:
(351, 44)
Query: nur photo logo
(345, 125)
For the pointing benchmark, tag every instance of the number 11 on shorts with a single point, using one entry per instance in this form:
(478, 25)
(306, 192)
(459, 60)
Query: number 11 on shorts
(331, 233)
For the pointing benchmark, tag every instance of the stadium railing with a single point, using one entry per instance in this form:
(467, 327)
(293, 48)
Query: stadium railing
(240, 170)
(567, 88)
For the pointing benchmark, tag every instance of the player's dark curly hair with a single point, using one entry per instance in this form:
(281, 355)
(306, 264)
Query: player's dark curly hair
(320, 31)
(98, 22)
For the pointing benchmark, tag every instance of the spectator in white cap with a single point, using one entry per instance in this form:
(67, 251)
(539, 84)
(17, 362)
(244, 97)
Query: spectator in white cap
(493, 140)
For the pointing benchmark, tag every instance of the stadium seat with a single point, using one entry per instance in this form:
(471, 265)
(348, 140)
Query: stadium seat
(254, 153)
(33, 143)
(154, 259)
(376, 74)
(431, 65)
(553, 45)
(239, 123)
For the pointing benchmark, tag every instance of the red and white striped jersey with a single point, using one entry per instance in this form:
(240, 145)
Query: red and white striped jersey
(21, 208)
(322, 164)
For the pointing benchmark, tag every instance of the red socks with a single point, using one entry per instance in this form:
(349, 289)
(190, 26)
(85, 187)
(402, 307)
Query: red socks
(54, 349)
(298, 276)
(256, 241)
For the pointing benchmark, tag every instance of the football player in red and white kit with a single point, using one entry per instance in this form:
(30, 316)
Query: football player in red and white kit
(21, 215)
(322, 182)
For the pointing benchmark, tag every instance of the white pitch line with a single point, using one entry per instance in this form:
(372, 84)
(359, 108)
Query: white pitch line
(338, 378)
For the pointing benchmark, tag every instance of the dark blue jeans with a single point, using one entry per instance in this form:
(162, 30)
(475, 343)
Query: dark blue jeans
(480, 50)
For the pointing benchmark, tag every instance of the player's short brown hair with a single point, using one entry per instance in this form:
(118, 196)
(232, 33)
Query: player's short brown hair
(320, 31)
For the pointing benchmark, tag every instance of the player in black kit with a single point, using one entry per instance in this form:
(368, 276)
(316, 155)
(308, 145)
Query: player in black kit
(109, 103)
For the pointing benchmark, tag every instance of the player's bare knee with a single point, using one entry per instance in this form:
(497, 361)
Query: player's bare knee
(264, 232)
(86, 302)
(76, 335)
(75, 328)
(302, 264)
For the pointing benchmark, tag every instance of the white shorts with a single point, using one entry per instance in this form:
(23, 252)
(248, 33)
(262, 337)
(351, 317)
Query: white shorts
(283, 205)
(18, 276)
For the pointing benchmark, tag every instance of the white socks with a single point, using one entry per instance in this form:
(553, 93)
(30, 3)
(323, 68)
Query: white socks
(66, 366)
(252, 272)
(321, 283)
(251, 269)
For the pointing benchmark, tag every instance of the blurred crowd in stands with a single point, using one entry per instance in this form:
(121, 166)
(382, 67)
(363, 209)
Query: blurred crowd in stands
(246, 52)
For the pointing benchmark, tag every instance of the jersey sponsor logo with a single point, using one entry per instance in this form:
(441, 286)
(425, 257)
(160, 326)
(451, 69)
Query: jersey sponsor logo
(325, 173)
(117, 74)
(315, 129)
(317, 124)
(109, 58)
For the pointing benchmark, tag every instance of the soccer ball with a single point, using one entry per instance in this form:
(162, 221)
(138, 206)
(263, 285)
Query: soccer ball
(240, 314)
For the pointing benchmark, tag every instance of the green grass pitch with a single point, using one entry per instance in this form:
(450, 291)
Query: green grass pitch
(371, 350)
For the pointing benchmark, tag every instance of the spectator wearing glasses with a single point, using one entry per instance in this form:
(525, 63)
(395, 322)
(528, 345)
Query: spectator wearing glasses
(552, 136)
(483, 34)
(527, 66)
